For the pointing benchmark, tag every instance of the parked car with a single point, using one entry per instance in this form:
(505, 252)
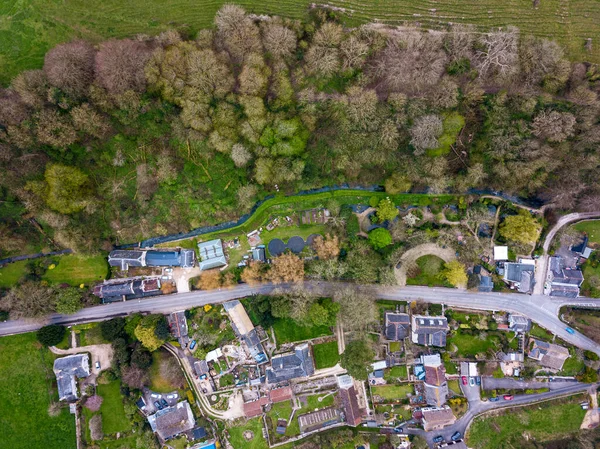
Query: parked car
(164, 403)
(97, 364)
(472, 381)
(508, 397)
(155, 395)
(398, 430)
(570, 331)
(464, 380)
(494, 399)
(478, 380)
(192, 344)
(158, 405)
(456, 436)
(438, 439)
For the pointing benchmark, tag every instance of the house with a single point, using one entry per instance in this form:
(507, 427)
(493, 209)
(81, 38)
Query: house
(436, 418)
(172, 421)
(468, 369)
(281, 394)
(67, 370)
(127, 258)
(255, 408)
(201, 369)
(244, 329)
(548, 354)
(500, 253)
(319, 419)
(582, 249)
(179, 328)
(511, 363)
(397, 326)
(211, 254)
(259, 253)
(123, 289)
(281, 426)
(486, 284)
(436, 387)
(564, 282)
(353, 413)
(286, 367)
(429, 330)
(519, 324)
(520, 275)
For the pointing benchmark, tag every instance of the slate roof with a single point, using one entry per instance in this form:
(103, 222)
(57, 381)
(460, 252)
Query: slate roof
(548, 354)
(291, 366)
(172, 421)
(201, 368)
(519, 323)
(352, 411)
(259, 253)
(397, 326)
(437, 418)
(211, 254)
(580, 248)
(436, 395)
(429, 330)
(198, 433)
(184, 258)
(564, 291)
(486, 284)
(520, 273)
(67, 370)
(127, 258)
(178, 324)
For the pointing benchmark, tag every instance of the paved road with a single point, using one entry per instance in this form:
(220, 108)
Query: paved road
(541, 309)
(478, 407)
(507, 383)
(542, 263)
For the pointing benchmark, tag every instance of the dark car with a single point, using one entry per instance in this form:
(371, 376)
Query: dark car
(494, 399)
(157, 405)
(456, 436)
(398, 429)
(438, 439)
(478, 380)
(164, 402)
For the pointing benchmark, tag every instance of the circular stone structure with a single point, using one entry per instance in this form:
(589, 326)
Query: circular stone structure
(311, 238)
(276, 247)
(296, 244)
(248, 435)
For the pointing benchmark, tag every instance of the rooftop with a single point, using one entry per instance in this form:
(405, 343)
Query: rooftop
(291, 366)
(397, 326)
(548, 354)
(211, 254)
(67, 370)
(172, 421)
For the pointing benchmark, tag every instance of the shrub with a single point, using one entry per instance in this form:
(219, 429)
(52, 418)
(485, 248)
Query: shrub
(51, 335)
(380, 238)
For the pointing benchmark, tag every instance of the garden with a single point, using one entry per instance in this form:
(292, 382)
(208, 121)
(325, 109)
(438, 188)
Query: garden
(326, 354)
(393, 393)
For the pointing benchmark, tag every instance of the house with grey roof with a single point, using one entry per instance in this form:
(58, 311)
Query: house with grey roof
(520, 276)
(548, 354)
(518, 323)
(179, 328)
(123, 259)
(172, 421)
(429, 330)
(259, 253)
(397, 326)
(290, 366)
(211, 254)
(244, 330)
(67, 370)
(564, 282)
(123, 289)
(127, 258)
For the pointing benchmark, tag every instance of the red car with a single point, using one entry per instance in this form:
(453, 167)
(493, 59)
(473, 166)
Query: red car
(464, 380)
(508, 397)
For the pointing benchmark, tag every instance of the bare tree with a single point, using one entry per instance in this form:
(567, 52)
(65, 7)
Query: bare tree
(542, 62)
(29, 300)
(286, 268)
(554, 126)
(246, 196)
(497, 55)
(357, 309)
(32, 86)
(120, 65)
(323, 57)
(425, 132)
(134, 376)
(354, 52)
(95, 424)
(12, 109)
(86, 119)
(55, 129)
(279, 40)
(236, 32)
(240, 155)
(70, 67)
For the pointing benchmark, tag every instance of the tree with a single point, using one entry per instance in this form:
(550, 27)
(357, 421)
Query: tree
(55, 129)
(68, 301)
(151, 331)
(279, 40)
(379, 238)
(588, 376)
(237, 32)
(326, 248)
(386, 210)
(68, 189)
(286, 268)
(70, 67)
(497, 54)
(134, 376)
(357, 358)
(323, 313)
(51, 335)
(554, 126)
(209, 280)
(240, 155)
(425, 133)
(397, 183)
(113, 328)
(253, 273)
(455, 273)
(29, 300)
(246, 196)
(142, 358)
(86, 119)
(357, 309)
(521, 228)
(170, 370)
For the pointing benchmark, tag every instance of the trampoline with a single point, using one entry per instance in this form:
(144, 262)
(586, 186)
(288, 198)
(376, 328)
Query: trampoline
(296, 244)
(311, 238)
(276, 247)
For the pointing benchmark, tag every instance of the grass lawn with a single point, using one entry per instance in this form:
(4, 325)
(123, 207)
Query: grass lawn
(159, 383)
(541, 422)
(573, 365)
(539, 332)
(326, 354)
(12, 273)
(591, 228)
(395, 346)
(430, 268)
(471, 345)
(75, 270)
(585, 321)
(90, 334)
(590, 272)
(393, 392)
(287, 331)
(27, 386)
(453, 385)
(113, 414)
(236, 435)
(283, 410)
(396, 372)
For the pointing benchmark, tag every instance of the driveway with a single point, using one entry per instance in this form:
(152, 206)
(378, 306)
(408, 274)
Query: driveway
(99, 353)
(489, 383)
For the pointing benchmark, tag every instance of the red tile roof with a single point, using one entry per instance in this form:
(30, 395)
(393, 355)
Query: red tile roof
(254, 408)
(354, 414)
(281, 394)
(435, 375)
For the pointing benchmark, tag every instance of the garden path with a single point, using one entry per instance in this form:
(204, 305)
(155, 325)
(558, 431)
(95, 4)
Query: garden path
(410, 256)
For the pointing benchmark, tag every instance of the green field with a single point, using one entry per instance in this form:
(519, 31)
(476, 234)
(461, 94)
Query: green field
(326, 354)
(542, 422)
(236, 435)
(591, 228)
(113, 414)
(287, 331)
(393, 392)
(471, 345)
(75, 270)
(396, 372)
(159, 383)
(28, 28)
(26, 389)
(11, 274)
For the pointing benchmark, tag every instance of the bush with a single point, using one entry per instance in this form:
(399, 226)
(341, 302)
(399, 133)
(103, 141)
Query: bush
(591, 355)
(380, 238)
(373, 201)
(113, 329)
(51, 335)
